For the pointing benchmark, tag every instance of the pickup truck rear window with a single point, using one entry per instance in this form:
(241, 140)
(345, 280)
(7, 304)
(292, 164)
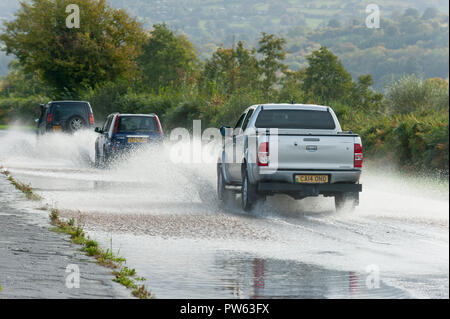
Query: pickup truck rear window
(295, 119)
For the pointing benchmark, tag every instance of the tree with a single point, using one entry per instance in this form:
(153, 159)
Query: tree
(230, 69)
(334, 23)
(220, 72)
(103, 48)
(167, 59)
(364, 97)
(411, 94)
(411, 12)
(248, 66)
(325, 79)
(430, 13)
(20, 84)
(291, 88)
(272, 50)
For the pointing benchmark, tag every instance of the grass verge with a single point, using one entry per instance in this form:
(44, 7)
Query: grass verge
(24, 188)
(20, 128)
(123, 274)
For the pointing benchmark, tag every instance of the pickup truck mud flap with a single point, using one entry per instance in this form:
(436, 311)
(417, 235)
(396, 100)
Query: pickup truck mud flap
(304, 190)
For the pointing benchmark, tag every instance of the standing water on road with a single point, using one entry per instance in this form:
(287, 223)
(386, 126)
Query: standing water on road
(167, 222)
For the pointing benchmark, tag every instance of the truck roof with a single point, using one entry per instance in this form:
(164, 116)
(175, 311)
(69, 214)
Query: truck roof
(312, 107)
(68, 101)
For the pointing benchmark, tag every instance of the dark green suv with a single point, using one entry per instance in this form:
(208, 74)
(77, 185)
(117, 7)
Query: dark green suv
(65, 116)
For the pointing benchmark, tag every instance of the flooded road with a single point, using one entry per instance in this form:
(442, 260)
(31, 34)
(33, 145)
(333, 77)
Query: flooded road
(165, 219)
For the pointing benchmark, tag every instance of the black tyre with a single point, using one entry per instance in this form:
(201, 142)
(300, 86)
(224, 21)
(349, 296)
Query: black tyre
(345, 202)
(98, 159)
(76, 123)
(248, 192)
(222, 193)
(106, 159)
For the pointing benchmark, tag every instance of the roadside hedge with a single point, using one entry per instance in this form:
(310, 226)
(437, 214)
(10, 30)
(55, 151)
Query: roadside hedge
(412, 141)
(24, 110)
(416, 141)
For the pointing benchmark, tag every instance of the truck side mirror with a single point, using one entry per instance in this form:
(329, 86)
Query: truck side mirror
(98, 130)
(226, 131)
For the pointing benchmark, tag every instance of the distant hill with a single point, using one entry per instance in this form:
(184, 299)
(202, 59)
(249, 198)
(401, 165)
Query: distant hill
(399, 46)
(408, 42)
(220, 20)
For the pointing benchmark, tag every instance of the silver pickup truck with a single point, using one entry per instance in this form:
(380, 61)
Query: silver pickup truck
(293, 149)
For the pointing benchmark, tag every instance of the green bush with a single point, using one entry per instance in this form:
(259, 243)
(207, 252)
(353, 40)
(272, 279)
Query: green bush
(24, 110)
(411, 141)
(121, 98)
(232, 108)
(413, 134)
(412, 94)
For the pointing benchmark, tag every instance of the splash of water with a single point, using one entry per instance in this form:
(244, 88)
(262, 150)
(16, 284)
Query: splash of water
(150, 173)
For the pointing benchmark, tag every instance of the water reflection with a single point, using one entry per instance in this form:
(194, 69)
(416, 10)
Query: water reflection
(272, 278)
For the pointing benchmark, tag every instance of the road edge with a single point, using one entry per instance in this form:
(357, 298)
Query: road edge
(122, 274)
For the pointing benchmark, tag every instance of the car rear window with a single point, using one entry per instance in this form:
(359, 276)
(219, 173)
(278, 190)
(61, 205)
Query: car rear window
(137, 124)
(68, 109)
(295, 119)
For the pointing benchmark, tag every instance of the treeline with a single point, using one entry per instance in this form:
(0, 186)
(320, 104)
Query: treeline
(159, 71)
(408, 40)
(412, 131)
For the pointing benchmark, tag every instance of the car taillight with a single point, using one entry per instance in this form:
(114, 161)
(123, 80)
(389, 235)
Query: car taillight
(49, 118)
(116, 125)
(158, 124)
(91, 118)
(358, 161)
(263, 154)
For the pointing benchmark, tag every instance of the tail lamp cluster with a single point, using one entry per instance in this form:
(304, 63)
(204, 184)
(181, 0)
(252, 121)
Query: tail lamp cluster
(358, 159)
(91, 118)
(158, 123)
(263, 154)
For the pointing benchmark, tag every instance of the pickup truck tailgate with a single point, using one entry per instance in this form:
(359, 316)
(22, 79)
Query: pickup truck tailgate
(328, 152)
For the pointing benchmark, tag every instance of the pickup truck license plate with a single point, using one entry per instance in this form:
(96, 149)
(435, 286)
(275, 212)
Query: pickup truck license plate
(311, 179)
(137, 140)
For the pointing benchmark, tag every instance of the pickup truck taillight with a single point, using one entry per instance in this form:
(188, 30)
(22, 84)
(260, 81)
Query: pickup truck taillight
(263, 154)
(358, 156)
(49, 118)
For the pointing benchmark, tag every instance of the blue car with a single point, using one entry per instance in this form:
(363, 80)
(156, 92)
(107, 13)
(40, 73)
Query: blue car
(123, 132)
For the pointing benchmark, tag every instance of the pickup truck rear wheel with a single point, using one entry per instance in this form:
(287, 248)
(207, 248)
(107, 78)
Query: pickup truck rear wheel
(248, 192)
(345, 202)
(222, 193)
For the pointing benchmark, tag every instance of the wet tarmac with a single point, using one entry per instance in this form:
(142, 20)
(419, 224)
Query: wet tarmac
(165, 219)
(34, 260)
